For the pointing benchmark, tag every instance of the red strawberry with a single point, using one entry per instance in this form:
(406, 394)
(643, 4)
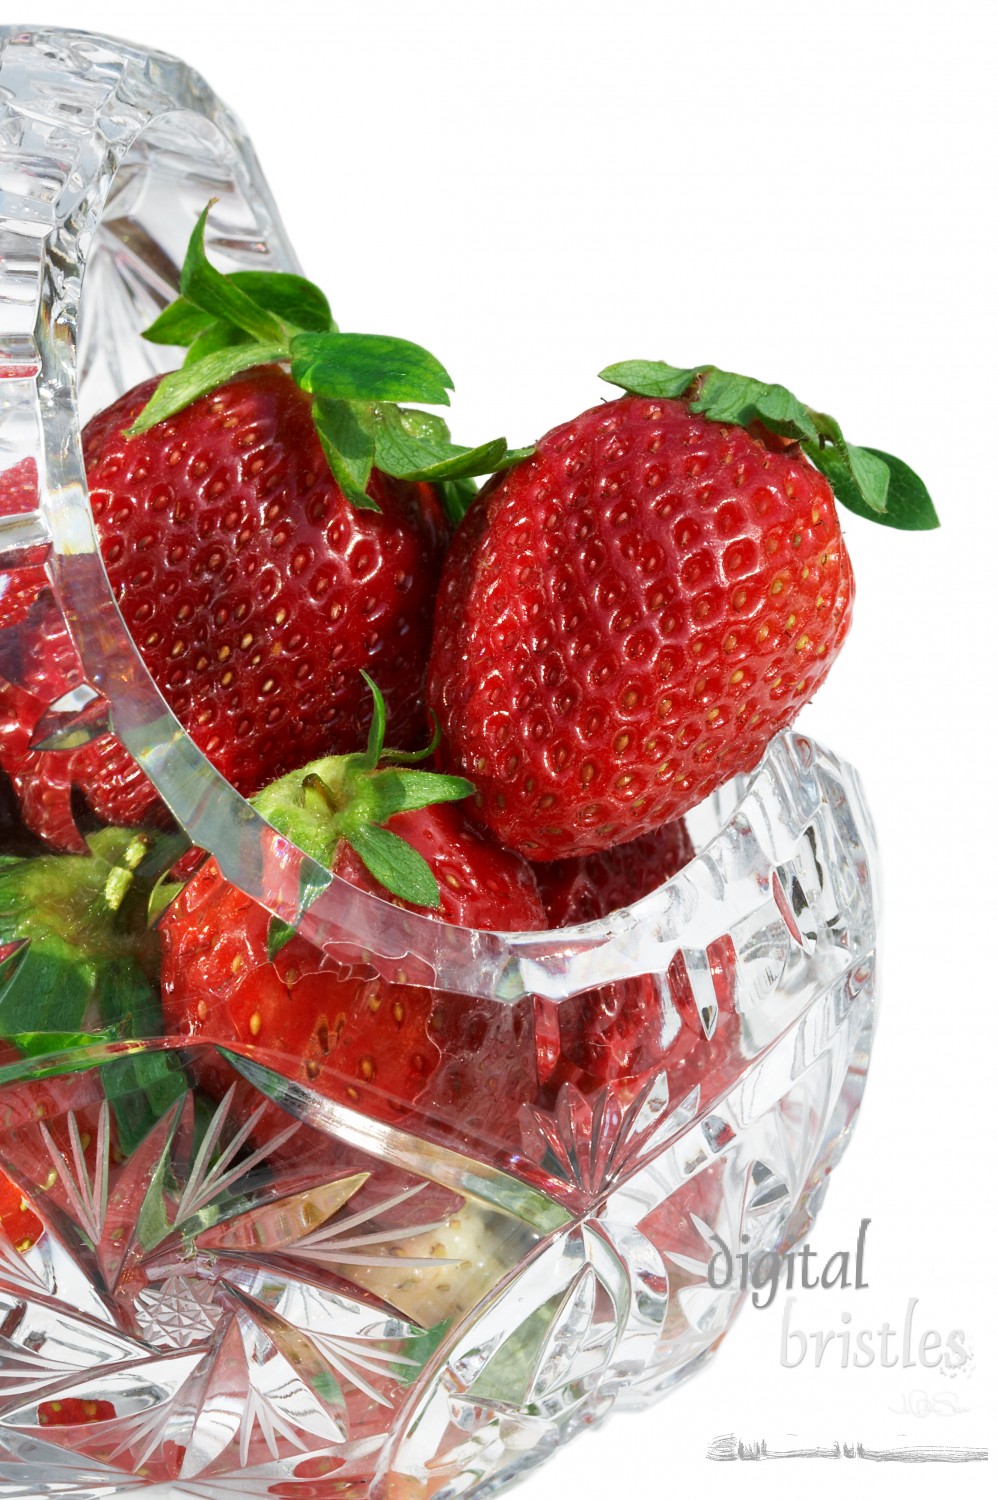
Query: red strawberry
(267, 535)
(73, 1411)
(627, 617)
(375, 1046)
(619, 1030)
(17, 1221)
(254, 590)
(587, 888)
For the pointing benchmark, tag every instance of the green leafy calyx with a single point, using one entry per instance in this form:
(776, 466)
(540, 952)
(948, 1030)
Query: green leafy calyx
(233, 323)
(865, 480)
(79, 964)
(350, 798)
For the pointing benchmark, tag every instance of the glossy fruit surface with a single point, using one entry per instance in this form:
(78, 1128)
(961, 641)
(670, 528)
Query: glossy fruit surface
(254, 590)
(375, 1046)
(626, 619)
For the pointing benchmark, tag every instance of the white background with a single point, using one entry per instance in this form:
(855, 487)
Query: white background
(802, 192)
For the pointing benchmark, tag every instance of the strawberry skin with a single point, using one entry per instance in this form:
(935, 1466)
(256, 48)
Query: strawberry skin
(587, 888)
(253, 589)
(374, 1046)
(618, 1030)
(627, 617)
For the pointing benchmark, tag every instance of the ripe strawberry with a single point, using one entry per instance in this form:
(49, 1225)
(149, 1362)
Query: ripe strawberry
(588, 888)
(618, 1030)
(266, 534)
(21, 1226)
(73, 1411)
(375, 1046)
(629, 615)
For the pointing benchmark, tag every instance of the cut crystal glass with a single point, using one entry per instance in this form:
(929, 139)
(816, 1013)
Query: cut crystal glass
(218, 1278)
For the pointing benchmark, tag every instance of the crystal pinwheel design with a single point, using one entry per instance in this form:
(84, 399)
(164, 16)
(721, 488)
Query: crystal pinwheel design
(158, 1319)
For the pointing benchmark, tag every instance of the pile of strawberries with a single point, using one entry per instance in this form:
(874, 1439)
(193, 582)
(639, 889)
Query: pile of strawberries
(617, 622)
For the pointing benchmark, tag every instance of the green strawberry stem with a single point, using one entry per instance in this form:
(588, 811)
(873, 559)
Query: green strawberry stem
(233, 323)
(351, 797)
(867, 481)
(80, 965)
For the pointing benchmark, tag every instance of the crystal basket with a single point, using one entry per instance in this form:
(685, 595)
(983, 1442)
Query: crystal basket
(259, 1289)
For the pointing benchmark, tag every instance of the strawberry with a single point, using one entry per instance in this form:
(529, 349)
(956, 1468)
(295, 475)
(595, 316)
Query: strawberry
(618, 1030)
(73, 1411)
(21, 1226)
(266, 534)
(375, 1046)
(629, 615)
(588, 888)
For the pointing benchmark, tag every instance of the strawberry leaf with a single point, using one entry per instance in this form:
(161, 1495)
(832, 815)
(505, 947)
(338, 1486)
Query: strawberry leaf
(650, 377)
(379, 723)
(395, 865)
(140, 1090)
(296, 301)
(859, 479)
(908, 504)
(416, 445)
(367, 367)
(178, 390)
(737, 398)
(456, 495)
(868, 482)
(293, 298)
(180, 324)
(279, 934)
(212, 338)
(406, 791)
(219, 295)
(348, 443)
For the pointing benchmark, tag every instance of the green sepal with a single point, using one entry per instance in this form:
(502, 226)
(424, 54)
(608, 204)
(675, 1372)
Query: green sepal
(395, 865)
(140, 1090)
(190, 382)
(85, 968)
(456, 497)
(413, 757)
(348, 443)
(717, 394)
(909, 505)
(348, 798)
(367, 367)
(867, 481)
(737, 398)
(221, 297)
(235, 322)
(416, 445)
(279, 934)
(216, 336)
(379, 724)
(294, 300)
(44, 1043)
(393, 791)
(650, 377)
(178, 324)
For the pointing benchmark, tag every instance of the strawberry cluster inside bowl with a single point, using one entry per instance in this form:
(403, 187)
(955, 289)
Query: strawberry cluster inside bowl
(420, 925)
